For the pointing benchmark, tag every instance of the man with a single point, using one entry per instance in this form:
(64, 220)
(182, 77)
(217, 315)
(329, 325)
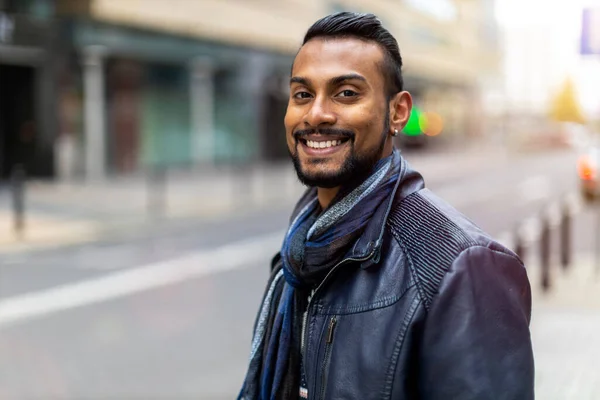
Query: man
(381, 290)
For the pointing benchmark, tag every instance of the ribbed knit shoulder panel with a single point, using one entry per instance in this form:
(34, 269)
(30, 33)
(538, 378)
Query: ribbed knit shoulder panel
(430, 240)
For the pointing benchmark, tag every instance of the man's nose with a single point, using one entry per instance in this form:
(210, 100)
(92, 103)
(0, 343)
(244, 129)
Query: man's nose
(320, 113)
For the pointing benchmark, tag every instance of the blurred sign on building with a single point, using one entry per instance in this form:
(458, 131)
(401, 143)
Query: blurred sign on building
(590, 32)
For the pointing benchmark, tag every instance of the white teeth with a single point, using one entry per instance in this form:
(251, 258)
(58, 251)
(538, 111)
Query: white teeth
(322, 145)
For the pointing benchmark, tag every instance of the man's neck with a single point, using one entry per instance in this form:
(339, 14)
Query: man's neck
(326, 196)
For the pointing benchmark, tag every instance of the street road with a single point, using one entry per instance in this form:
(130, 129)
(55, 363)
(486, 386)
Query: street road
(167, 313)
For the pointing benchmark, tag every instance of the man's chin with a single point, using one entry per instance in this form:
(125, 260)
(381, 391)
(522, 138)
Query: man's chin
(322, 179)
(322, 172)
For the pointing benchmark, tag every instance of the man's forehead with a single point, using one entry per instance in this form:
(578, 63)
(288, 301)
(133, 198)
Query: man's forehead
(340, 55)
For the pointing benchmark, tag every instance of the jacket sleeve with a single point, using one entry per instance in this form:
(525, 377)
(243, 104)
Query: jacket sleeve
(476, 342)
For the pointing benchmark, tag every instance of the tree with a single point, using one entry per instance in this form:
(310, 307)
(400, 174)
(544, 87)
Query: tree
(565, 106)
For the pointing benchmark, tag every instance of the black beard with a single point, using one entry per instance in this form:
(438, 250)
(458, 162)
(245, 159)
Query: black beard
(355, 169)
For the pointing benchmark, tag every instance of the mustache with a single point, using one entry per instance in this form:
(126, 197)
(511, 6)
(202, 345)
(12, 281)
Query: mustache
(345, 133)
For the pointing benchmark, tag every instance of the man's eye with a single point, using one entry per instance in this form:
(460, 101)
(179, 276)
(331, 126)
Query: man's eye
(302, 95)
(347, 93)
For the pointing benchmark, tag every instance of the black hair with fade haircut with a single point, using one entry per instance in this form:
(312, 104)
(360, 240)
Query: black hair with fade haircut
(365, 27)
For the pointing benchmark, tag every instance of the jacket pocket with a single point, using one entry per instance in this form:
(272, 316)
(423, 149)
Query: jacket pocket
(327, 357)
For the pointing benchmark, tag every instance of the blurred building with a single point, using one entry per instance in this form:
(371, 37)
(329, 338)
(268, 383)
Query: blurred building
(27, 91)
(116, 86)
(536, 75)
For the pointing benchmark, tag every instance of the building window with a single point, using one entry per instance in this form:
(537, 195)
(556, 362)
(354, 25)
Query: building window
(37, 8)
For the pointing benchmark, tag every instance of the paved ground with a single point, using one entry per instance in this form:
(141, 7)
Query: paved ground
(565, 331)
(166, 313)
(566, 320)
(77, 212)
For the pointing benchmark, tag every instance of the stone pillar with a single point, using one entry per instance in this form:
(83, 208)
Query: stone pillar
(202, 107)
(94, 112)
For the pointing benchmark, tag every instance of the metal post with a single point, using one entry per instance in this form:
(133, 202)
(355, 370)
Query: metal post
(156, 191)
(597, 206)
(242, 180)
(597, 245)
(545, 253)
(520, 245)
(18, 197)
(565, 237)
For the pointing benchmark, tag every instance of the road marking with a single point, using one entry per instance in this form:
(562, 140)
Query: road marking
(115, 285)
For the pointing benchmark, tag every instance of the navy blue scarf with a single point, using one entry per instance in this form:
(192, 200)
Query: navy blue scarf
(314, 243)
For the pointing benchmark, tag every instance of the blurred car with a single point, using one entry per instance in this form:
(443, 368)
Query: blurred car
(587, 169)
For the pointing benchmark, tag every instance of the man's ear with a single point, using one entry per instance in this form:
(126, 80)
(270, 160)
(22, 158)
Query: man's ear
(400, 109)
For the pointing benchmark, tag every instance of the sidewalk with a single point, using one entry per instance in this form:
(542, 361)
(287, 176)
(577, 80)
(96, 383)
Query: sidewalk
(68, 213)
(565, 324)
(565, 331)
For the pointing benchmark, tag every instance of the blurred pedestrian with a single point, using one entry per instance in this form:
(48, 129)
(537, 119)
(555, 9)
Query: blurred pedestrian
(381, 289)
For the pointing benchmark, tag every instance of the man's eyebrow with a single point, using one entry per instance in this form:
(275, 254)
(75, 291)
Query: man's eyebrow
(348, 77)
(336, 80)
(300, 80)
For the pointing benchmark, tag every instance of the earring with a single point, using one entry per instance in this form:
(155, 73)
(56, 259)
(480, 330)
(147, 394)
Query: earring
(395, 132)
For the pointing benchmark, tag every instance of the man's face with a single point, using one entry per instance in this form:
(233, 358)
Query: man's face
(337, 120)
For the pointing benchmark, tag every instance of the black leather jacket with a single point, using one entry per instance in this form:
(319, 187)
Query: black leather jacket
(425, 306)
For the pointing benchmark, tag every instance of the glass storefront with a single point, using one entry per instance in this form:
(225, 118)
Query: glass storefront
(165, 116)
(160, 112)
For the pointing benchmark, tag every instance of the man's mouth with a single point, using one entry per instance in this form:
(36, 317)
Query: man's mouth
(322, 144)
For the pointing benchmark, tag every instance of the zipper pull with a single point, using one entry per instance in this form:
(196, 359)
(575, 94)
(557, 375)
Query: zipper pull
(332, 323)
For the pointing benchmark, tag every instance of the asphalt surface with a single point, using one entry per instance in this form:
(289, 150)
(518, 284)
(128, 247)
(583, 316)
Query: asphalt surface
(167, 313)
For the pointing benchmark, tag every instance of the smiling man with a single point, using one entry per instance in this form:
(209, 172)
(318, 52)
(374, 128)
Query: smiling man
(381, 290)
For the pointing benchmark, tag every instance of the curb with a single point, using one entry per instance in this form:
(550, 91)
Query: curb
(100, 231)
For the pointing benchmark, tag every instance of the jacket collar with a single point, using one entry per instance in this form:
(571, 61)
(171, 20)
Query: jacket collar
(370, 242)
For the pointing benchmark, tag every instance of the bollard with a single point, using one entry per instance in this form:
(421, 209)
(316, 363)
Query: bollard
(18, 199)
(244, 181)
(565, 237)
(520, 245)
(545, 253)
(156, 191)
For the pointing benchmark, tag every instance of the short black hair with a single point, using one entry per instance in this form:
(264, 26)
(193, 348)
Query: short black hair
(365, 27)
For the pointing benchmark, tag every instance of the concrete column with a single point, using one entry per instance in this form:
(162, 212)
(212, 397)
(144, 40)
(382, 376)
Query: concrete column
(94, 112)
(202, 110)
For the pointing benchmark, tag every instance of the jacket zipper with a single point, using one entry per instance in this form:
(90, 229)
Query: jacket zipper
(327, 356)
(304, 320)
(305, 331)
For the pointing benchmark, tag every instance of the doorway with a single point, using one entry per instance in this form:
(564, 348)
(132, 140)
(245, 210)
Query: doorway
(18, 127)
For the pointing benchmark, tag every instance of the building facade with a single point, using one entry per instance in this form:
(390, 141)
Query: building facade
(27, 121)
(192, 83)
